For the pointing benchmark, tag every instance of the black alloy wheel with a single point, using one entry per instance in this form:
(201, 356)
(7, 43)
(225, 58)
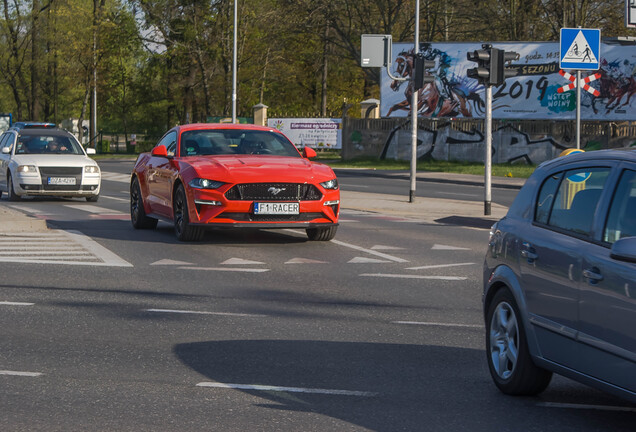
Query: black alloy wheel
(137, 212)
(182, 228)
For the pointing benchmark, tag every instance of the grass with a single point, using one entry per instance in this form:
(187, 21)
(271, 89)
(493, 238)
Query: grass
(499, 170)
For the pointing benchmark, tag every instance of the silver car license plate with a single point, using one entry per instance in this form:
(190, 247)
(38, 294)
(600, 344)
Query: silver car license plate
(274, 208)
(61, 180)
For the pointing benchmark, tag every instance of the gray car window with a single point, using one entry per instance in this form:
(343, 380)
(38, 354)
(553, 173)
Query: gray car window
(621, 221)
(577, 198)
(546, 197)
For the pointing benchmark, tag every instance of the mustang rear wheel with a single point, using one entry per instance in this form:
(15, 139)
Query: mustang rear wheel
(509, 361)
(11, 195)
(182, 228)
(137, 213)
(322, 234)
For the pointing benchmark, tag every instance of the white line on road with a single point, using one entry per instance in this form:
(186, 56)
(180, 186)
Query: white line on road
(175, 311)
(93, 209)
(9, 303)
(437, 324)
(225, 269)
(399, 276)
(438, 266)
(115, 198)
(587, 407)
(286, 389)
(109, 258)
(369, 251)
(17, 373)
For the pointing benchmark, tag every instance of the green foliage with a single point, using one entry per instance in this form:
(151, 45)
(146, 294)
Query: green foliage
(163, 62)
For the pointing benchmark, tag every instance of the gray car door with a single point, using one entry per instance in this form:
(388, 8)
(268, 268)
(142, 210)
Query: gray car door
(608, 296)
(551, 261)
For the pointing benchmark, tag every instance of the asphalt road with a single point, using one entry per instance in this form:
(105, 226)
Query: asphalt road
(114, 329)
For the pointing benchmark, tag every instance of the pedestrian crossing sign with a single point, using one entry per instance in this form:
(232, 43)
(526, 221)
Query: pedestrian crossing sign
(580, 49)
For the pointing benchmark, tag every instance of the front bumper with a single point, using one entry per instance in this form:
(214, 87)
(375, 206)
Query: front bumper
(211, 208)
(86, 185)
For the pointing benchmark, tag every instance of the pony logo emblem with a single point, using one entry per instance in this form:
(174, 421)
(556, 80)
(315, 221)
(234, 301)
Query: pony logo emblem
(275, 191)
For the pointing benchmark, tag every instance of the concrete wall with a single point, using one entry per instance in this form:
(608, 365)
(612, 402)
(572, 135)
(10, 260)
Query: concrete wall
(463, 140)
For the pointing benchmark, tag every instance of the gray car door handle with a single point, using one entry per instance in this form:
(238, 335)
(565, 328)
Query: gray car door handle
(593, 274)
(529, 255)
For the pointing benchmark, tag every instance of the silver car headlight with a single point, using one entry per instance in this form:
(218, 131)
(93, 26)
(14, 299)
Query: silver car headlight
(199, 183)
(27, 169)
(91, 169)
(330, 184)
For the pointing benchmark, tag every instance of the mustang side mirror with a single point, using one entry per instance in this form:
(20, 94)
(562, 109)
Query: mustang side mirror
(309, 153)
(624, 249)
(160, 151)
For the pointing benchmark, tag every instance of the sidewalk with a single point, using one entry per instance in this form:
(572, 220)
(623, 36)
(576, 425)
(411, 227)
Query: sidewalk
(15, 221)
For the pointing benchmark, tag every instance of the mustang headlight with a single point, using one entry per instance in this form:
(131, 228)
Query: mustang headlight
(27, 169)
(91, 169)
(199, 183)
(331, 184)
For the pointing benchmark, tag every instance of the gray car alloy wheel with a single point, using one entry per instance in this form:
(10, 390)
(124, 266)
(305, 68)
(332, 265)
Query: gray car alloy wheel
(504, 340)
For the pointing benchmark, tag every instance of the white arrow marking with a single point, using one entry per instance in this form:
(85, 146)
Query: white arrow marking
(286, 389)
(304, 261)
(438, 266)
(363, 260)
(170, 262)
(445, 247)
(382, 247)
(239, 261)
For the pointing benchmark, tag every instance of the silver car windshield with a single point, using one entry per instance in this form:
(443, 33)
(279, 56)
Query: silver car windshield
(47, 144)
(235, 142)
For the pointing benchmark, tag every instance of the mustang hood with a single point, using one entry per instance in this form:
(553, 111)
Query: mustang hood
(258, 168)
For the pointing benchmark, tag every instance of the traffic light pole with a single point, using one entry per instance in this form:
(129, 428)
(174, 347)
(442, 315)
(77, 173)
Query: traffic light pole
(488, 153)
(414, 108)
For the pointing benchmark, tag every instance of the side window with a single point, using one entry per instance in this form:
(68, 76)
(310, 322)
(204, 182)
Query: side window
(170, 141)
(577, 198)
(3, 140)
(621, 221)
(546, 198)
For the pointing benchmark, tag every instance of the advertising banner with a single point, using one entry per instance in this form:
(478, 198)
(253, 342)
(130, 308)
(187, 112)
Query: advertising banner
(532, 94)
(318, 133)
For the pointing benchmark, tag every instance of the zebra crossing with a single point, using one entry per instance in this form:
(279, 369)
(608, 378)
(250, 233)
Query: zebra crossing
(56, 247)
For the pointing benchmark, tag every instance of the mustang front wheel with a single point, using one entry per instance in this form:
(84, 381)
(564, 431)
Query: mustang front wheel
(182, 227)
(509, 361)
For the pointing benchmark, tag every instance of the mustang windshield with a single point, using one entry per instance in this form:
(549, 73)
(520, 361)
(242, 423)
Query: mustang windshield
(235, 142)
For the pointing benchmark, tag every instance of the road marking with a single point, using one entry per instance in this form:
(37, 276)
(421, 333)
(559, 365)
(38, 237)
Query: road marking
(399, 276)
(587, 407)
(56, 247)
(438, 266)
(227, 269)
(382, 247)
(17, 373)
(445, 247)
(111, 176)
(287, 389)
(94, 209)
(115, 198)
(9, 303)
(304, 261)
(170, 262)
(175, 311)
(437, 324)
(364, 260)
(369, 251)
(240, 261)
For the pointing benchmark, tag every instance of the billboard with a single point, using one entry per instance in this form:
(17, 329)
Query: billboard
(318, 133)
(532, 94)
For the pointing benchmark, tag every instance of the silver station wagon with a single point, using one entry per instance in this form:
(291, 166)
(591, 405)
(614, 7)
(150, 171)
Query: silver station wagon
(560, 278)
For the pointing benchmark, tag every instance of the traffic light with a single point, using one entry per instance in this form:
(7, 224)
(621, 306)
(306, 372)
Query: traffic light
(482, 72)
(491, 65)
(420, 78)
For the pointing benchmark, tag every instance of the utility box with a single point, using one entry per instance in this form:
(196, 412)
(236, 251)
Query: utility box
(375, 50)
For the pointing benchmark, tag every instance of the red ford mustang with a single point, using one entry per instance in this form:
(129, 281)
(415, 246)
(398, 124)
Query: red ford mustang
(227, 175)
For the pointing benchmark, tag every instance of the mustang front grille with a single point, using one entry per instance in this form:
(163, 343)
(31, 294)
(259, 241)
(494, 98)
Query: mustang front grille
(273, 192)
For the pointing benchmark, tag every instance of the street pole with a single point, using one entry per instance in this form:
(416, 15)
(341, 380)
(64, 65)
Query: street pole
(578, 109)
(488, 154)
(234, 62)
(414, 107)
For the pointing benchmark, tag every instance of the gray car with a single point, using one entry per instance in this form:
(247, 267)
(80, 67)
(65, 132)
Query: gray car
(560, 278)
